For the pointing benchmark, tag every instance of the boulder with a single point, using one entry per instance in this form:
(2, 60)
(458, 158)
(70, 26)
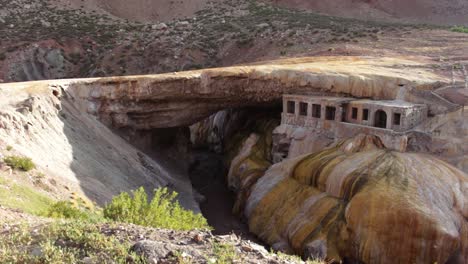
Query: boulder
(160, 26)
(151, 250)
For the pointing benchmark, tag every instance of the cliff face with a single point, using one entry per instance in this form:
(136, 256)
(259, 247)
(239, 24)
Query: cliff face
(77, 151)
(358, 202)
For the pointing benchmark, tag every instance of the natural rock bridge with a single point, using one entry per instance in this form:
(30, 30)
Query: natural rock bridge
(59, 124)
(180, 99)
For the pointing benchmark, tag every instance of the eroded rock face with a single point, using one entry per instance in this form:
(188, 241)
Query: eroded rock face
(182, 99)
(78, 152)
(357, 202)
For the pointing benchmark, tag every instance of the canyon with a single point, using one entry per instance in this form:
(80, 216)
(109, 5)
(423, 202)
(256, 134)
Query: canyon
(100, 136)
(333, 131)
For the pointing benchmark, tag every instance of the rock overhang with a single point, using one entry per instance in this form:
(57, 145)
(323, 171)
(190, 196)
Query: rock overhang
(183, 98)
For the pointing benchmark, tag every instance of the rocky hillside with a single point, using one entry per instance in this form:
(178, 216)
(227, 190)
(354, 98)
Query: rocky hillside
(140, 10)
(63, 39)
(41, 240)
(447, 12)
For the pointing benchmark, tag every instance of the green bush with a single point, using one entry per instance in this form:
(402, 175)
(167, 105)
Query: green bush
(163, 211)
(461, 29)
(21, 163)
(64, 209)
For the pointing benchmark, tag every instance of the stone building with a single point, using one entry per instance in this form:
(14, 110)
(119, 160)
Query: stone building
(323, 111)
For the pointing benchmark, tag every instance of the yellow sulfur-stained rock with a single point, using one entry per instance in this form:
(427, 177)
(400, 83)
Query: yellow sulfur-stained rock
(360, 202)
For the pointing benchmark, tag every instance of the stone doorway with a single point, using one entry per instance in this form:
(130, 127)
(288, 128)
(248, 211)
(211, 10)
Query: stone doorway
(380, 119)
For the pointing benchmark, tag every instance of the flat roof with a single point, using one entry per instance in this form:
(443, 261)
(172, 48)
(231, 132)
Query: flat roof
(321, 98)
(389, 103)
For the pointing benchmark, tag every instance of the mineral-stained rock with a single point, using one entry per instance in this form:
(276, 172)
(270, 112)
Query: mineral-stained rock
(360, 202)
(181, 99)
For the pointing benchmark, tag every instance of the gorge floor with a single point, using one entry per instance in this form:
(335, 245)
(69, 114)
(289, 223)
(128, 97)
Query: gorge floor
(207, 173)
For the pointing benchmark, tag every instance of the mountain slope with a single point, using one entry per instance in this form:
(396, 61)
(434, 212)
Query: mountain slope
(421, 11)
(138, 10)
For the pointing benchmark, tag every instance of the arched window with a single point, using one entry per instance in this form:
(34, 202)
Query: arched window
(380, 119)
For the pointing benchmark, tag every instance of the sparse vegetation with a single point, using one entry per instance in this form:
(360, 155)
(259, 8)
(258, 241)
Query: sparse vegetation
(80, 236)
(210, 30)
(24, 198)
(461, 29)
(162, 211)
(64, 209)
(20, 163)
(224, 253)
(64, 242)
